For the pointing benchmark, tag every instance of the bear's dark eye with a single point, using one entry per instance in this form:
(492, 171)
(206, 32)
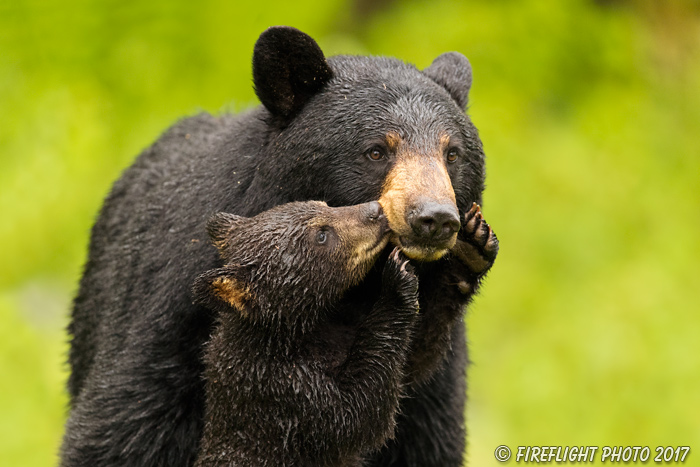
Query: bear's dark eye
(376, 153)
(452, 155)
(321, 237)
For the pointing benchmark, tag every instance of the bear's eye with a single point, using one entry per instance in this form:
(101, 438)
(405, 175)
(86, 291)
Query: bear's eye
(376, 153)
(321, 237)
(452, 155)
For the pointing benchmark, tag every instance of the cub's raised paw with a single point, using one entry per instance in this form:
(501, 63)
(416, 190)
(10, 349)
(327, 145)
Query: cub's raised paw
(477, 245)
(399, 275)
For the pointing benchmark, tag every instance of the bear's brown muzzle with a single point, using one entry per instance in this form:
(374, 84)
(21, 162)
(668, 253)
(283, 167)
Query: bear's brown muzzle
(419, 203)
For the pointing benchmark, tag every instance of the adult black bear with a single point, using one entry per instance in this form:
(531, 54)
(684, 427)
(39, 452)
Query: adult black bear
(345, 130)
(289, 380)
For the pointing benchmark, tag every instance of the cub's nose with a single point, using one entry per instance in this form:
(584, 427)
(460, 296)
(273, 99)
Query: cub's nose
(374, 214)
(373, 211)
(435, 221)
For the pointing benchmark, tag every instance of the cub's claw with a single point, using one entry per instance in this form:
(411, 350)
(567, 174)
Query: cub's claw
(399, 276)
(399, 263)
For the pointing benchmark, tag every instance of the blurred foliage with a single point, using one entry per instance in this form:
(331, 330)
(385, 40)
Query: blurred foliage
(586, 332)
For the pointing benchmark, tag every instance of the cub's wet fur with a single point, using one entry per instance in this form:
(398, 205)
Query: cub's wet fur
(288, 382)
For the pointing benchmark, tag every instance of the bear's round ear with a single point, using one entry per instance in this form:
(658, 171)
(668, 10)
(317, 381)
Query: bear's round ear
(453, 72)
(222, 289)
(220, 226)
(288, 69)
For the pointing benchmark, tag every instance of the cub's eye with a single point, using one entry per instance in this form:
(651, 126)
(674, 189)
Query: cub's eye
(452, 155)
(321, 237)
(376, 153)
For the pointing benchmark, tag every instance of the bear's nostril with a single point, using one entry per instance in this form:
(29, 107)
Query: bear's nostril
(451, 226)
(426, 226)
(435, 221)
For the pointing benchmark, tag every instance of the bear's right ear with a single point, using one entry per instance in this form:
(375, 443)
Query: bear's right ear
(220, 227)
(224, 288)
(453, 72)
(288, 69)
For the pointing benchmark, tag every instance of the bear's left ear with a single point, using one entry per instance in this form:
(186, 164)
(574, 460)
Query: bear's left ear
(224, 288)
(453, 72)
(288, 69)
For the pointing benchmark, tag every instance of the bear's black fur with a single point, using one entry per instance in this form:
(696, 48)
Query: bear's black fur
(346, 130)
(290, 381)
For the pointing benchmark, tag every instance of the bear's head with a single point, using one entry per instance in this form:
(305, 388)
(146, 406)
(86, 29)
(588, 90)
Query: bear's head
(292, 262)
(370, 128)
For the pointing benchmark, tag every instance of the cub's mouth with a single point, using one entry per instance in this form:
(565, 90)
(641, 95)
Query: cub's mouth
(369, 252)
(377, 237)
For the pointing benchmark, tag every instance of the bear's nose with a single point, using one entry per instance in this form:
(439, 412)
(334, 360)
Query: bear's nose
(435, 221)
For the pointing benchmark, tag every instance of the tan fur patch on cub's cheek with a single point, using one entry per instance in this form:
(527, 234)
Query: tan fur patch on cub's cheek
(232, 292)
(363, 257)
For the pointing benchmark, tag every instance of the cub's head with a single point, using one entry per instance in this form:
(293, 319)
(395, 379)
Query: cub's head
(293, 261)
(371, 128)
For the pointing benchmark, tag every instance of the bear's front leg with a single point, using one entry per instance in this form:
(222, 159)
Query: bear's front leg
(431, 422)
(446, 287)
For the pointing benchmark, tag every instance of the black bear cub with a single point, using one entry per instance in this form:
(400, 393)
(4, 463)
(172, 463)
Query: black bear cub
(277, 391)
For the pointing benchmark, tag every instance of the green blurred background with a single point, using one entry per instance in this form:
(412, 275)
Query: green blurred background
(587, 330)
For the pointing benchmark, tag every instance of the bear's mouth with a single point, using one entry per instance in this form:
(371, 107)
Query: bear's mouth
(423, 251)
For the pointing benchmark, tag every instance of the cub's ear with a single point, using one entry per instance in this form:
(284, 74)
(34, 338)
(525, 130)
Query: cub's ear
(288, 69)
(453, 72)
(223, 289)
(221, 225)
